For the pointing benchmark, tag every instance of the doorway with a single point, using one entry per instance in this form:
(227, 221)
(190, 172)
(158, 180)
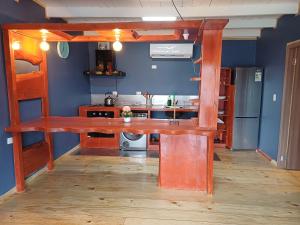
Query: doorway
(289, 142)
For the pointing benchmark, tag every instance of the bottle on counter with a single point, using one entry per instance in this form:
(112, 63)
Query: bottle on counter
(169, 102)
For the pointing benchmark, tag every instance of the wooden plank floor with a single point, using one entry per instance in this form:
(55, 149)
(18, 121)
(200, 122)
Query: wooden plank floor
(115, 191)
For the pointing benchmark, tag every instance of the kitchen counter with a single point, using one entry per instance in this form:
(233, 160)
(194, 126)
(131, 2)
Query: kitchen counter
(86, 141)
(163, 108)
(144, 108)
(110, 125)
(183, 147)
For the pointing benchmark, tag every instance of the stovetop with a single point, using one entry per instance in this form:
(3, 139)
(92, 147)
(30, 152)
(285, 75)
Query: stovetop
(99, 105)
(93, 105)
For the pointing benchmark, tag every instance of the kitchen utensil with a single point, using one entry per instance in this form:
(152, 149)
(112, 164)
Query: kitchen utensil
(109, 101)
(148, 97)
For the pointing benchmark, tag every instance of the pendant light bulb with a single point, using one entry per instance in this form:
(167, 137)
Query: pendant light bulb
(117, 46)
(16, 45)
(44, 45)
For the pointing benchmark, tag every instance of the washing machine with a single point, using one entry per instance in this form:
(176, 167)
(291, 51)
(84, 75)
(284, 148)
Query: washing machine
(134, 142)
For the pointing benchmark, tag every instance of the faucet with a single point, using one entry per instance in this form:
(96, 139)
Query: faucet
(148, 97)
(174, 121)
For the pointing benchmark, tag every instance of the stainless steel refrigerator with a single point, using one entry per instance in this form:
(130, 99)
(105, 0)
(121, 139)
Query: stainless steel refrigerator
(248, 90)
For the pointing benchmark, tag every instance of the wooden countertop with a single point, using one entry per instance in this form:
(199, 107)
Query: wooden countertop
(144, 108)
(110, 125)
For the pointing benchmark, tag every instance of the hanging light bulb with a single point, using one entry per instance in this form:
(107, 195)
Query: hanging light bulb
(44, 45)
(117, 31)
(44, 31)
(16, 45)
(117, 45)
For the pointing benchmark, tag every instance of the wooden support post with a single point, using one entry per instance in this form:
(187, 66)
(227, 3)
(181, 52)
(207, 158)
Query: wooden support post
(34, 86)
(14, 109)
(209, 92)
(18, 162)
(46, 110)
(183, 162)
(210, 78)
(210, 163)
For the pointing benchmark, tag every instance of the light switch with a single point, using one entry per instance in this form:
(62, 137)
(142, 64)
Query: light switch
(274, 97)
(154, 67)
(115, 93)
(9, 140)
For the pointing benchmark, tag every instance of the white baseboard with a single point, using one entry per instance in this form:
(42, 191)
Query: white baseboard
(36, 174)
(274, 162)
(266, 156)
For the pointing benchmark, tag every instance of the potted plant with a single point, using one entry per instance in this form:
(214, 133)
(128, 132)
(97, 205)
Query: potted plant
(126, 114)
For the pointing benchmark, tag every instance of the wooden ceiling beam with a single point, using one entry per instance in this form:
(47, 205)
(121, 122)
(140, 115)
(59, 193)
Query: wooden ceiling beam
(142, 38)
(57, 31)
(178, 34)
(190, 24)
(62, 34)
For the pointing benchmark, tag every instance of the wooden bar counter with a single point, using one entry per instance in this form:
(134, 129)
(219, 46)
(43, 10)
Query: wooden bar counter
(185, 148)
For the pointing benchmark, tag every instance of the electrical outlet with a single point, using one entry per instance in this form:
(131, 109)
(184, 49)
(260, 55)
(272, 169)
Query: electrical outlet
(138, 92)
(274, 97)
(9, 140)
(154, 67)
(115, 93)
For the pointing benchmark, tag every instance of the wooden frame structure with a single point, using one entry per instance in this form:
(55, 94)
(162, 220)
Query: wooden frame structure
(23, 87)
(197, 136)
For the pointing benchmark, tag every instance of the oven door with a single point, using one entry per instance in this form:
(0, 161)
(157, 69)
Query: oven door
(101, 114)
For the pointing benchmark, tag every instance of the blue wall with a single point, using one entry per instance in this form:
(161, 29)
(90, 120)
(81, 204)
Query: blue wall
(67, 89)
(171, 75)
(271, 55)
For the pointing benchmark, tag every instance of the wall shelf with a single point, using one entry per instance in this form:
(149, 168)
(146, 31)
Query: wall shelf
(226, 106)
(118, 74)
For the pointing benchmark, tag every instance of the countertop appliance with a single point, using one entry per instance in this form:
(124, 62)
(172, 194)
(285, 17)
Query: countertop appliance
(248, 91)
(134, 142)
(109, 101)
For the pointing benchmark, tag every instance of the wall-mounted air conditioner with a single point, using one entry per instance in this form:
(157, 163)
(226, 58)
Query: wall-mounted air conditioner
(184, 50)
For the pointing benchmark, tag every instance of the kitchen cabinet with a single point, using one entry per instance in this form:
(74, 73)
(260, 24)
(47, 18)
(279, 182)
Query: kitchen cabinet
(96, 139)
(158, 112)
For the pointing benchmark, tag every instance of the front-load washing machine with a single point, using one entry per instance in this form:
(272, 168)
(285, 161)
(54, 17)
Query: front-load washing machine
(134, 142)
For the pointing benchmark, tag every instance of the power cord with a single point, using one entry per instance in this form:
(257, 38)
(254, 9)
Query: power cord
(177, 10)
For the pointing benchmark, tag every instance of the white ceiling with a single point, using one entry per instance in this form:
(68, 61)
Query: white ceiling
(246, 18)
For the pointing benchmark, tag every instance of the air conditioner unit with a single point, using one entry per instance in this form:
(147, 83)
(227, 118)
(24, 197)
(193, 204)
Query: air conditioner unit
(184, 50)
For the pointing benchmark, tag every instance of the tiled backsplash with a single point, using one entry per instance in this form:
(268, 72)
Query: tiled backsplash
(183, 100)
